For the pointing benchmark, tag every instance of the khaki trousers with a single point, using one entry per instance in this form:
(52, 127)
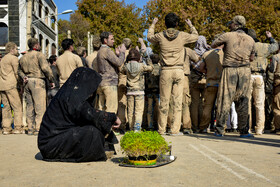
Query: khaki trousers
(153, 104)
(171, 86)
(196, 108)
(35, 91)
(135, 109)
(11, 100)
(108, 98)
(257, 92)
(210, 96)
(186, 117)
(234, 86)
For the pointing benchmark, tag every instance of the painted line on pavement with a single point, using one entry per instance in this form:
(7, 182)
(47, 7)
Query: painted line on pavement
(237, 164)
(217, 162)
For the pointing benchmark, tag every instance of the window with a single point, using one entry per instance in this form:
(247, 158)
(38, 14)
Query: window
(40, 9)
(46, 16)
(3, 2)
(3, 34)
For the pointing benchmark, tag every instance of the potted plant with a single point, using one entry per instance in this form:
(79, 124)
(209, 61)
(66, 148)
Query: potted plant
(143, 148)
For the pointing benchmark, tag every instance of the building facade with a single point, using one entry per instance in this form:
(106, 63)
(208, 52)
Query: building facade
(22, 19)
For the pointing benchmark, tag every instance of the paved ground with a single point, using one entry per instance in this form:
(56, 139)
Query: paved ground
(203, 160)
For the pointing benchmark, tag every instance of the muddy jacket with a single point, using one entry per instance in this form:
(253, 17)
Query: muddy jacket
(213, 60)
(153, 80)
(171, 44)
(34, 65)
(238, 48)
(190, 55)
(107, 65)
(91, 59)
(8, 72)
(262, 51)
(135, 75)
(275, 68)
(66, 64)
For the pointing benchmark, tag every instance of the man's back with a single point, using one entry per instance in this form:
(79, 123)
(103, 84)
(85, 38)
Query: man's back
(171, 44)
(238, 48)
(8, 72)
(66, 64)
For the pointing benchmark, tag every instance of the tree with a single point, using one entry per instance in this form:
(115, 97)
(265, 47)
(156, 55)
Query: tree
(78, 26)
(123, 20)
(210, 17)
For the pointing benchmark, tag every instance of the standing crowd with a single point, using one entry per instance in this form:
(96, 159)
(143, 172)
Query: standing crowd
(178, 91)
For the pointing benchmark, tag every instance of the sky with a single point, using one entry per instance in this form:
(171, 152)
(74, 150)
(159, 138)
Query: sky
(63, 5)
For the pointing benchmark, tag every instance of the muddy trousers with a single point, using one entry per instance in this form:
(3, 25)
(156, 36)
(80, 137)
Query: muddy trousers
(257, 92)
(11, 101)
(108, 98)
(153, 104)
(276, 108)
(234, 87)
(196, 108)
(122, 106)
(36, 98)
(171, 85)
(210, 96)
(135, 109)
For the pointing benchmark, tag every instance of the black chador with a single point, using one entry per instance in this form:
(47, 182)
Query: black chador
(72, 130)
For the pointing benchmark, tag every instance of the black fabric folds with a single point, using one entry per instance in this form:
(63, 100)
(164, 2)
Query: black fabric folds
(71, 129)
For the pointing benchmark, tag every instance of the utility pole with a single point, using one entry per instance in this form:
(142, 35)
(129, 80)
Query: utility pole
(89, 39)
(29, 22)
(69, 34)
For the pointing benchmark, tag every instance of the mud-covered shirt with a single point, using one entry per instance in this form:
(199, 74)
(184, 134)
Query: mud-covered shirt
(213, 60)
(107, 65)
(35, 65)
(238, 48)
(135, 76)
(8, 72)
(262, 52)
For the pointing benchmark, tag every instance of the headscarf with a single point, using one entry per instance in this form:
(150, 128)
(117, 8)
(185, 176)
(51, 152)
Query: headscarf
(201, 46)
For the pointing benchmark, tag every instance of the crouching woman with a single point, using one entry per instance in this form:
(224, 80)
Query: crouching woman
(72, 130)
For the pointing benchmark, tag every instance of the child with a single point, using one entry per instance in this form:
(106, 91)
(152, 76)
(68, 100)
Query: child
(135, 88)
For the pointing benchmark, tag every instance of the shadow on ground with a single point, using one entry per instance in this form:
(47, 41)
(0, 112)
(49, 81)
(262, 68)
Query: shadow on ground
(236, 138)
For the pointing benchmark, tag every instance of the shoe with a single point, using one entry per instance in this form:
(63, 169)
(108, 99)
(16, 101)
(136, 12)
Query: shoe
(30, 132)
(177, 134)
(6, 132)
(187, 131)
(259, 132)
(218, 135)
(36, 132)
(277, 132)
(203, 131)
(246, 135)
(235, 131)
(17, 131)
(109, 154)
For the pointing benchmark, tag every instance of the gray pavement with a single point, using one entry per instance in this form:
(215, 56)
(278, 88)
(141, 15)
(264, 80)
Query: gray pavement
(202, 160)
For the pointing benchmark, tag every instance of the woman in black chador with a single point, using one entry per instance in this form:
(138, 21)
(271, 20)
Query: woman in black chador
(72, 130)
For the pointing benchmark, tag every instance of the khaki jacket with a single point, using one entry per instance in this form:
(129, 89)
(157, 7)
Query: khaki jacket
(66, 64)
(262, 51)
(238, 48)
(35, 65)
(107, 65)
(213, 60)
(190, 55)
(90, 60)
(135, 75)
(171, 44)
(8, 72)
